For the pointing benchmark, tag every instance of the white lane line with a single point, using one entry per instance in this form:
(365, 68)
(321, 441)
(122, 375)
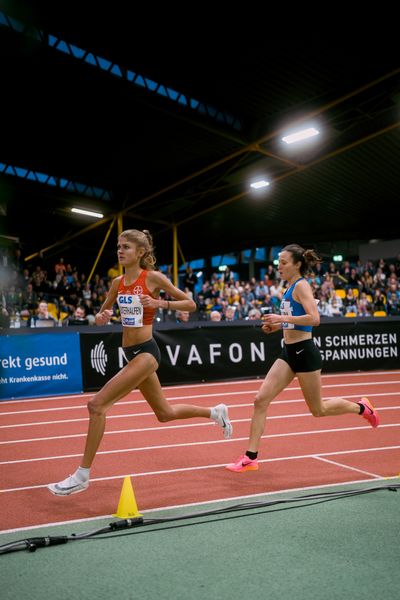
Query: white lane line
(189, 444)
(214, 395)
(151, 413)
(192, 386)
(166, 428)
(342, 466)
(203, 467)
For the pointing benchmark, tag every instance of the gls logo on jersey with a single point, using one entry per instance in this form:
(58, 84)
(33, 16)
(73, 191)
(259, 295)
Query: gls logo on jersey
(126, 299)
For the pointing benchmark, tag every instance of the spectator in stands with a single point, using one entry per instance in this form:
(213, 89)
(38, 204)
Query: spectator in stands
(299, 357)
(320, 271)
(336, 303)
(261, 291)
(367, 282)
(254, 314)
(62, 305)
(379, 278)
(338, 280)
(78, 318)
(324, 307)
(13, 298)
(243, 308)
(182, 316)
(379, 301)
(95, 303)
(363, 305)
(353, 280)
(63, 287)
(189, 280)
(29, 298)
(228, 276)
(86, 292)
(391, 272)
(393, 300)
(113, 271)
(345, 270)
(60, 267)
(350, 302)
(42, 316)
(382, 266)
(270, 275)
(327, 285)
(201, 307)
(215, 316)
(248, 294)
(137, 293)
(229, 313)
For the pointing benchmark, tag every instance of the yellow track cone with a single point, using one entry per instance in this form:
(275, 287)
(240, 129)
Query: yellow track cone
(127, 507)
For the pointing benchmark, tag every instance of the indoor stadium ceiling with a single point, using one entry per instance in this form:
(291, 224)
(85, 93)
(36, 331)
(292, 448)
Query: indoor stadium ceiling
(169, 125)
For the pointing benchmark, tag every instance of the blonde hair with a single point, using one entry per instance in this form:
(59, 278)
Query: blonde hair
(142, 239)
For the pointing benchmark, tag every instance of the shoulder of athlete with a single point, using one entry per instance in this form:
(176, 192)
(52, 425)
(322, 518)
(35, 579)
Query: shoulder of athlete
(115, 282)
(156, 281)
(113, 291)
(302, 291)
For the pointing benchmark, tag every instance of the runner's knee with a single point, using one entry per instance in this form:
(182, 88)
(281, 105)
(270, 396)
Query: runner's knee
(261, 401)
(165, 415)
(95, 408)
(318, 411)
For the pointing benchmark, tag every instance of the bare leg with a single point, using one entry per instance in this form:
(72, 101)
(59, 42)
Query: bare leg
(310, 384)
(119, 386)
(152, 391)
(278, 377)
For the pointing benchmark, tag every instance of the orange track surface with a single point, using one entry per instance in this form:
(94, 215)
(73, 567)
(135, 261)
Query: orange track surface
(182, 462)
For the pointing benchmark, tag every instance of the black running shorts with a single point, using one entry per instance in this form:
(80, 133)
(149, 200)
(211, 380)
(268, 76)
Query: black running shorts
(150, 347)
(302, 357)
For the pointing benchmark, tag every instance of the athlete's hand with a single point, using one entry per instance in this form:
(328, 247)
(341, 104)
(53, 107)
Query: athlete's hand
(149, 301)
(272, 319)
(271, 323)
(102, 318)
(266, 328)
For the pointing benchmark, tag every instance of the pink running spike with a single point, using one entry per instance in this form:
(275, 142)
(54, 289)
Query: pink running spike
(243, 463)
(369, 413)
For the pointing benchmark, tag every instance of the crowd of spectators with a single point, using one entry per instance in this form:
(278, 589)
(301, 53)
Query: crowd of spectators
(63, 293)
(343, 289)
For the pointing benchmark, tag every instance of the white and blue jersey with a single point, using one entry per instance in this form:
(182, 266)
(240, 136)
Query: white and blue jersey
(289, 307)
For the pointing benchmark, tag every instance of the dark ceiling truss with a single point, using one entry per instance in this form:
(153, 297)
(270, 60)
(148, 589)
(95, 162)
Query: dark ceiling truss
(122, 72)
(60, 183)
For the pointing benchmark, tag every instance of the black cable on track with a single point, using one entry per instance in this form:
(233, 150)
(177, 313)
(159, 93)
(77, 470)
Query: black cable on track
(32, 544)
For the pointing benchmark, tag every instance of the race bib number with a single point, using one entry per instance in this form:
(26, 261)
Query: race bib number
(131, 310)
(286, 310)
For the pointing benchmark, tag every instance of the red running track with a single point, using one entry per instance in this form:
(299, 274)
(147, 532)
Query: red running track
(182, 462)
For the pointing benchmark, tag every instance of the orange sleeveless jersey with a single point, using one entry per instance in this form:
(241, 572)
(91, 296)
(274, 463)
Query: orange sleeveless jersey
(137, 288)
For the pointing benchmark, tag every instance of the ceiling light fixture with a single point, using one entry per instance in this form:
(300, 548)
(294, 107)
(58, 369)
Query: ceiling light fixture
(303, 134)
(257, 185)
(89, 213)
